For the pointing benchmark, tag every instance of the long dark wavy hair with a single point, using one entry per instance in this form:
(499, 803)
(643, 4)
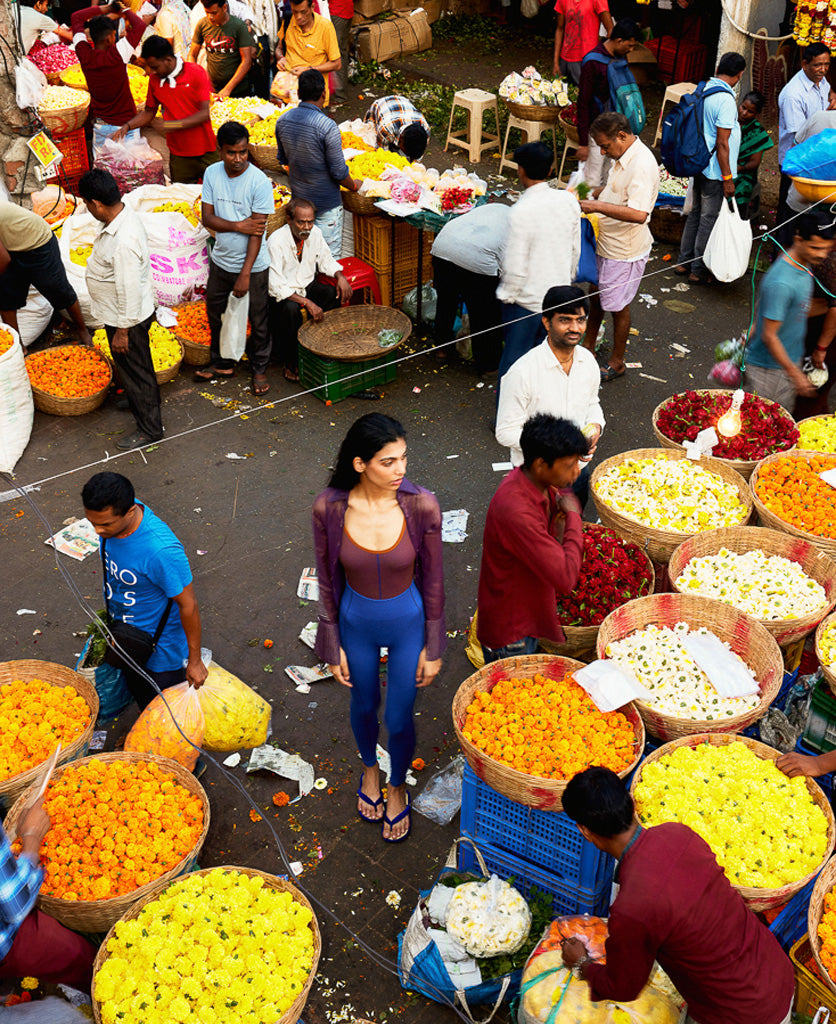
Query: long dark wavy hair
(364, 440)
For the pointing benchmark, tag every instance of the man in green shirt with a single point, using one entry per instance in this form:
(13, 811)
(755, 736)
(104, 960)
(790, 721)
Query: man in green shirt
(229, 49)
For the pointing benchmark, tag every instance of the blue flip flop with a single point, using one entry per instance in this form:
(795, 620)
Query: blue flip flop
(394, 821)
(370, 802)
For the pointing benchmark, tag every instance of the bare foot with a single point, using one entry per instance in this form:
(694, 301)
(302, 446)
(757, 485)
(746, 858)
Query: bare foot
(396, 804)
(370, 808)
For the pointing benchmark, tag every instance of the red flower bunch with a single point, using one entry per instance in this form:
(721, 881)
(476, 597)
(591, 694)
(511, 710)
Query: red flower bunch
(765, 427)
(453, 198)
(569, 114)
(613, 571)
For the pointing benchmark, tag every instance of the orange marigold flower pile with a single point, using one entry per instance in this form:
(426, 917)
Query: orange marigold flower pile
(827, 934)
(34, 718)
(6, 341)
(792, 489)
(548, 727)
(115, 826)
(193, 325)
(70, 371)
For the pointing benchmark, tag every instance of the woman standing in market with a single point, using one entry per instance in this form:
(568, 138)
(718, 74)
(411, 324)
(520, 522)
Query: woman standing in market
(754, 142)
(378, 555)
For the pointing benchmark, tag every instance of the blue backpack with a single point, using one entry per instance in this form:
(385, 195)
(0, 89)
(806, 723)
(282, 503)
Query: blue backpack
(625, 97)
(685, 152)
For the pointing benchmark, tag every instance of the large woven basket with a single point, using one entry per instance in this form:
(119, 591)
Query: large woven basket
(745, 635)
(531, 790)
(667, 225)
(265, 156)
(569, 130)
(756, 899)
(828, 672)
(193, 354)
(815, 563)
(276, 220)
(811, 419)
(294, 1011)
(768, 518)
(164, 376)
(580, 640)
(744, 467)
(533, 112)
(93, 916)
(55, 675)
(660, 544)
(67, 119)
(57, 405)
(824, 884)
(364, 205)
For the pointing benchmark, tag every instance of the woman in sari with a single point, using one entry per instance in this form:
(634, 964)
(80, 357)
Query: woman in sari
(754, 142)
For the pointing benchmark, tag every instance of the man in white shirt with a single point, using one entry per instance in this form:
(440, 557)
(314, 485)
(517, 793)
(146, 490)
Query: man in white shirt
(542, 249)
(558, 377)
(119, 281)
(298, 252)
(34, 21)
(624, 206)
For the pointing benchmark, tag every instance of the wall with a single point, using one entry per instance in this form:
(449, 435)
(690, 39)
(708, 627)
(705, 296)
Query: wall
(753, 15)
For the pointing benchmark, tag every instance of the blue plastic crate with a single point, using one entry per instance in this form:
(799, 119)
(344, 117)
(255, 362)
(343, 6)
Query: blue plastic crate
(549, 841)
(791, 923)
(567, 899)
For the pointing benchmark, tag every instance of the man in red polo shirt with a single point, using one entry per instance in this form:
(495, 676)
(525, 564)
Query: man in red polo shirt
(103, 59)
(183, 91)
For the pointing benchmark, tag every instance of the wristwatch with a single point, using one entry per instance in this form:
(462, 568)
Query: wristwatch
(577, 970)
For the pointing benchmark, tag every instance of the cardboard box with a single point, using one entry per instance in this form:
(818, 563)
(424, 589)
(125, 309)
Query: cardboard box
(382, 40)
(371, 8)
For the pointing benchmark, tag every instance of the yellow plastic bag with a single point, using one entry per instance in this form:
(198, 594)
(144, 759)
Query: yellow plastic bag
(154, 732)
(235, 717)
(474, 651)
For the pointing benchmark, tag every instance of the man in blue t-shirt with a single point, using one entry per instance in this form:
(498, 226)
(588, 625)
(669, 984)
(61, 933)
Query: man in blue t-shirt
(715, 184)
(776, 346)
(236, 200)
(145, 566)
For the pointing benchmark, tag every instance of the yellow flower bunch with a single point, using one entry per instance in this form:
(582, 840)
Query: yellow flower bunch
(215, 947)
(188, 211)
(59, 97)
(764, 828)
(81, 254)
(818, 435)
(373, 164)
(263, 133)
(165, 348)
(139, 88)
(75, 78)
(827, 645)
(243, 109)
(352, 141)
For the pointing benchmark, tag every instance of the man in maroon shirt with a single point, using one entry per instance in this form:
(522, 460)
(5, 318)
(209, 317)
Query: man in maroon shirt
(533, 542)
(103, 59)
(675, 906)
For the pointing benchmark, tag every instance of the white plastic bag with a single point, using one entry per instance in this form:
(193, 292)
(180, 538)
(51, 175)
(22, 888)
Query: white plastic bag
(80, 229)
(34, 318)
(688, 205)
(729, 244)
(16, 407)
(233, 338)
(30, 84)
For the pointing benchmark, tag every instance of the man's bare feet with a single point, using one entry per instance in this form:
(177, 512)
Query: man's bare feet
(369, 796)
(397, 820)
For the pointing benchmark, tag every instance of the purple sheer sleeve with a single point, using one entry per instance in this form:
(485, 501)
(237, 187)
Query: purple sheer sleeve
(327, 645)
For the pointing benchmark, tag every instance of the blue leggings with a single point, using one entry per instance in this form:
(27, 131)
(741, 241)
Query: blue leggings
(366, 625)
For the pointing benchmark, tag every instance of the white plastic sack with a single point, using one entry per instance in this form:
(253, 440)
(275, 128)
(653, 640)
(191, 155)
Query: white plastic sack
(688, 205)
(30, 84)
(529, 8)
(34, 318)
(17, 409)
(729, 244)
(80, 229)
(233, 339)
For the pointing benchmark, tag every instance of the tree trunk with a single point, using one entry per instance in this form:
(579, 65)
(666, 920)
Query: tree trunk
(17, 164)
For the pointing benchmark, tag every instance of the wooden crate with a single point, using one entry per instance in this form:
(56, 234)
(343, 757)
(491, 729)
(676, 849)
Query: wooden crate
(373, 241)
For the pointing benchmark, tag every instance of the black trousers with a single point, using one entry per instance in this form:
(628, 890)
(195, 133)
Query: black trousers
(143, 692)
(478, 291)
(218, 289)
(136, 371)
(286, 319)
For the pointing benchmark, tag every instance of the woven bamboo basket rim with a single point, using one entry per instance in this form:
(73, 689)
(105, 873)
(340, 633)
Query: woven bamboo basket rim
(350, 333)
(533, 112)
(757, 899)
(827, 672)
(816, 563)
(770, 519)
(363, 205)
(531, 790)
(569, 130)
(809, 419)
(74, 114)
(276, 220)
(291, 1015)
(824, 884)
(72, 84)
(660, 544)
(93, 916)
(264, 154)
(747, 637)
(743, 466)
(193, 353)
(170, 372)
(58, 405)
(56, 675)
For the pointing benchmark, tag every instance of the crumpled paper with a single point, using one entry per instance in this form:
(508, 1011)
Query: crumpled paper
(287, 765)
(454, 526)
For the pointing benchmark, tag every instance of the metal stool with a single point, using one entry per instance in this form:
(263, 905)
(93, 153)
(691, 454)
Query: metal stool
(533, 132)
(673, 94)
(474, 138)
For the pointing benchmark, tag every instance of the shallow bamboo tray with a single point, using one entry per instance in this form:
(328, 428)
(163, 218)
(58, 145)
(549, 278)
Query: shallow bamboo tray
(809, 419)
(756, 899)
(292, 1014)
(57, 405)
(363, 205)
(828, 672)
(350, 333)
(768, 518)
(533, 112)
(531, 790)
(659, 545)
(744, 467)
(816, 563)
(824, 883)
(56, 675)
(93, 916)
(746, 636)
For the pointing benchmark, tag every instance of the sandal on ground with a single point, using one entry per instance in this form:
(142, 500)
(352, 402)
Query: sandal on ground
(681, 270)
(696, 279)
(391, 822)
(609, 373)
(260, 384)
(211, 373)
(291, 375)
(368, 800)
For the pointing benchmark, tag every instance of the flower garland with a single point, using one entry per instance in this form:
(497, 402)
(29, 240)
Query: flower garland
(815, 21)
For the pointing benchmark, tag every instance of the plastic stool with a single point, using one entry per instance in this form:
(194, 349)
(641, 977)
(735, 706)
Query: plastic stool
(359, 275)
(533, 132)
(673, 94)
(474, 138)
(569, 144)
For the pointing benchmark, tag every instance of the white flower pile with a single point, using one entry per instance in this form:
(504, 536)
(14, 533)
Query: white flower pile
(678, 686)
(764, 586)
(488, 918)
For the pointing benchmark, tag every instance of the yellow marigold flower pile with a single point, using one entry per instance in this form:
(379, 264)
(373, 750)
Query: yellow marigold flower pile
(244, 109)
(827, 934)
(548, 727)
(263, 133)
(6, 341)
(352, 141)
(215, 947)
(372, 165)
(818, 434)
(34, 718)
(165, 348)
(81, 254)
(764, 828)
(74, 77)
(187, 209)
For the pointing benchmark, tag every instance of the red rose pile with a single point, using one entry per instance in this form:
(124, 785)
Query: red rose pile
(54, 58)
(613, 571)
(765, 427)
(454, 198)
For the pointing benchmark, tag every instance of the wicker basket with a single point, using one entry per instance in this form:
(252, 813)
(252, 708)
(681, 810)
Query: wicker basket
(164, 376)
(531, 790)
(581, 640)
(815, 563)
(569, 130)
(744, 467)
(768, 518)
(67, 119)
(660, 544)
(55, 675)
(667, 225)
(824, 883)
(350, 333)
(533, 112)
(93, 916)
(827, 672)
(745, 635)
(276, 220)
(57, 405)
(364, 205)
(294, 1011)
(264, 155)
(193, 354)
(810, 419)
(756, 899)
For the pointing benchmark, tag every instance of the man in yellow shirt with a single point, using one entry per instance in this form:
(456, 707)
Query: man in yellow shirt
(309, 41)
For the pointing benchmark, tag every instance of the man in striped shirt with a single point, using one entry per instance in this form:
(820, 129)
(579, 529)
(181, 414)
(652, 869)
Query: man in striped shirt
(399, 125)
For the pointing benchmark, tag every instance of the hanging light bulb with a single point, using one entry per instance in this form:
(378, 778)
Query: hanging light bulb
(729, 423)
